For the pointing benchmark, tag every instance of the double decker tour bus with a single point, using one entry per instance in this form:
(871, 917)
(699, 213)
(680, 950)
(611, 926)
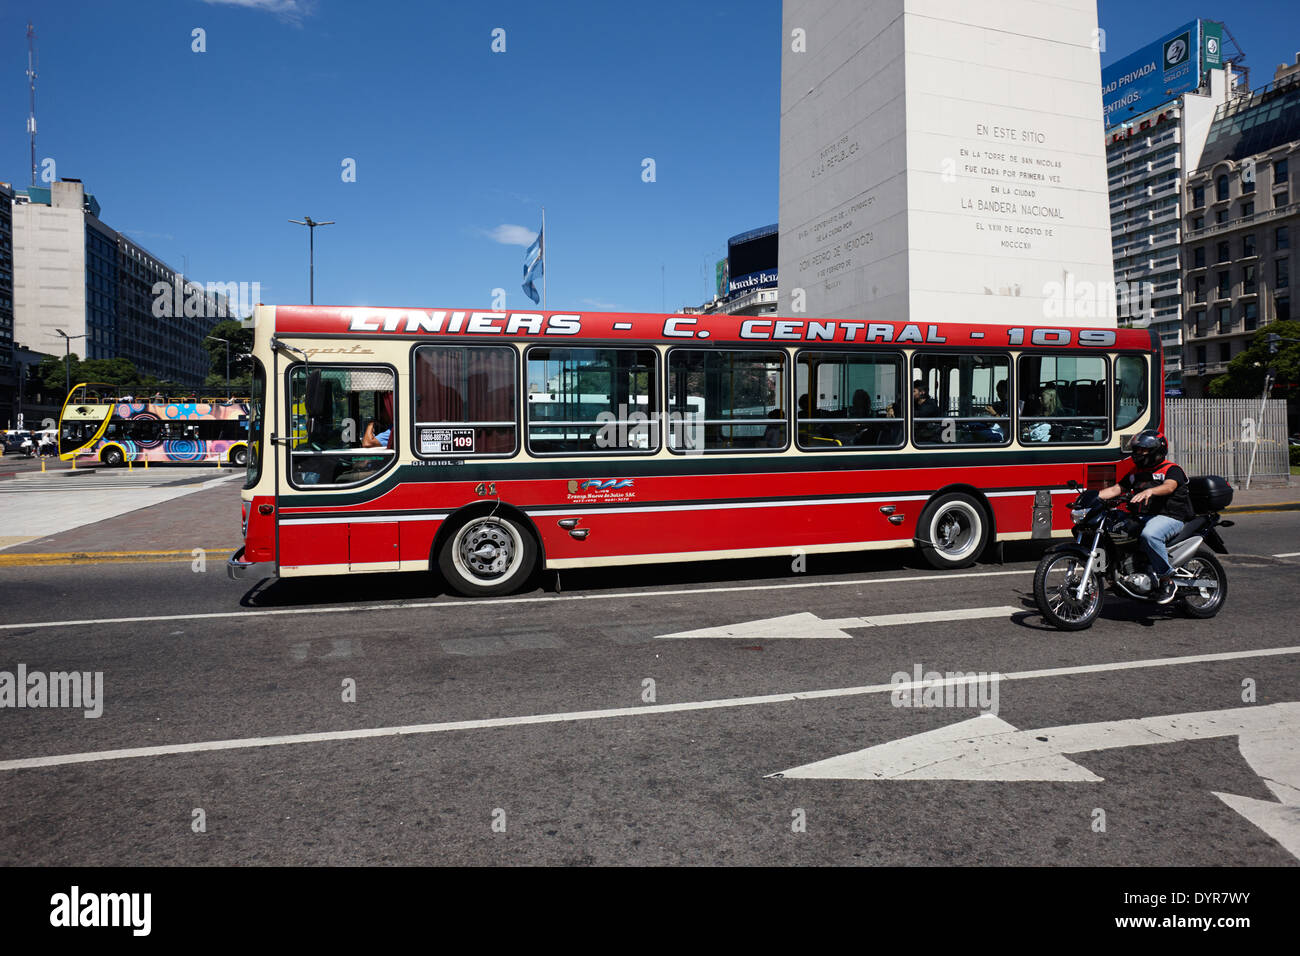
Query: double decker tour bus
(486, 445)
(99, 423)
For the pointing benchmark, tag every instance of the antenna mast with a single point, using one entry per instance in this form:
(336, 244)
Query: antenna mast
(31, 79)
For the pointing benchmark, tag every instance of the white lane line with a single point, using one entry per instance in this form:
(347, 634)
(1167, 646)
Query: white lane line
(808, 626)
(927, 617)
(246, 743)
(1289, 554)
(464, 605)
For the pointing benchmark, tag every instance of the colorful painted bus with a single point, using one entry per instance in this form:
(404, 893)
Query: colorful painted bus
(488, 445)
(101, 424)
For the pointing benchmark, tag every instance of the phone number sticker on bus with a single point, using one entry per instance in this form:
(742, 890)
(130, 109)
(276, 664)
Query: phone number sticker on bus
(445, 441)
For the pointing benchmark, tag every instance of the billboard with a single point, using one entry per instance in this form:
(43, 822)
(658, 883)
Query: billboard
(1156, 73)
(751, 260)
(1212, 45)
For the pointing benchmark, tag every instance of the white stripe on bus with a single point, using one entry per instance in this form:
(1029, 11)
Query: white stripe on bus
(359, 519)
(798, 503)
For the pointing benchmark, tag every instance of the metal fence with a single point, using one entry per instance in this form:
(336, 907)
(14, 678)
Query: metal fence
(1210, 436)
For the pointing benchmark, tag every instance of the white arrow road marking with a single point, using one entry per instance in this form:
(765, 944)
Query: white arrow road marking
(988, 748)
(805, 625)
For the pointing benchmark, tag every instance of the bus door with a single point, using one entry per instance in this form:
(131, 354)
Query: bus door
(336, 417)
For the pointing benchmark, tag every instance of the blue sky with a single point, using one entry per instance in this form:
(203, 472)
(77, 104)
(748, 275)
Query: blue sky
(202, 157)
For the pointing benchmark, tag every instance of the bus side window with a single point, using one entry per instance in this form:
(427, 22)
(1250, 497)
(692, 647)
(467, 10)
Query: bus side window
(960, 399)
(465, 400)
(849, 400)
(1065, 399)
(724, 400)
(592, 400)
(1130, 389)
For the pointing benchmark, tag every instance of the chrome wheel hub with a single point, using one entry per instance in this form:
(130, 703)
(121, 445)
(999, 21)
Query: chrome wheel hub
(486, 549)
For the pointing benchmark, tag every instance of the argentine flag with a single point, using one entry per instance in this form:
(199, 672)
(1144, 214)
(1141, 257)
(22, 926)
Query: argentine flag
(534, 266)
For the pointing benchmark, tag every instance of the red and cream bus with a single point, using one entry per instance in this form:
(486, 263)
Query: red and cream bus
(487, 445)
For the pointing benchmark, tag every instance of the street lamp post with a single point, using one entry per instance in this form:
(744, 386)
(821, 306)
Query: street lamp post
(67, 360)
(216, 339)
(311, 225)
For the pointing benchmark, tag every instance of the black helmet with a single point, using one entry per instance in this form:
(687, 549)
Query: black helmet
(1148, 449)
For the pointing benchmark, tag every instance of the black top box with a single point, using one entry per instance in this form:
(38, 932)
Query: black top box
(1209, 493)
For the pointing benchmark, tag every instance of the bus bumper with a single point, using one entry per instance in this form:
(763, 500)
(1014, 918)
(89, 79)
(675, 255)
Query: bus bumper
(236, 566)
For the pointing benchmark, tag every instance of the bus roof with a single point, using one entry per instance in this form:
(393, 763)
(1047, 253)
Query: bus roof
(447, 324)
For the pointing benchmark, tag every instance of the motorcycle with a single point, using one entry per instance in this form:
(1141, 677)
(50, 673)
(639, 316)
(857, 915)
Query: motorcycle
(1107, 549)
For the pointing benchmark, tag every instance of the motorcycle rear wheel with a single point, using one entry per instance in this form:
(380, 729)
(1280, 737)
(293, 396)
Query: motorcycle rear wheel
(1206, 601)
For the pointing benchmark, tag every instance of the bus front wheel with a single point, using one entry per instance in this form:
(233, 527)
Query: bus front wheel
(239, 457)
(488, 556)
(113, 457)
(954, 530)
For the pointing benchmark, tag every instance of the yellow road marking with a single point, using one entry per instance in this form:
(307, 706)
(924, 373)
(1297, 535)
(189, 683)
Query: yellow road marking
(30, 559)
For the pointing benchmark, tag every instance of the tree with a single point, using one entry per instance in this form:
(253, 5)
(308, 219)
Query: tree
(114, 371)
(118, 372)
(241, 349)
(52, 375)
(1245, 375)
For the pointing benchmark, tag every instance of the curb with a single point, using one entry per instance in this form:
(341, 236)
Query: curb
(1255, 509)
(37, 559)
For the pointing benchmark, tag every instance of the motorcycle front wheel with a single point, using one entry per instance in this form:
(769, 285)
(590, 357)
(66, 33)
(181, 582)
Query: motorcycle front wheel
(1056, 588)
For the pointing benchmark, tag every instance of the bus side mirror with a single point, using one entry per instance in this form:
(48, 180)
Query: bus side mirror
(313, 398)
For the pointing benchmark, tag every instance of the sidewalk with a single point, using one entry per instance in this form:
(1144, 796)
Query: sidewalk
(207, 519)
(1264, 499)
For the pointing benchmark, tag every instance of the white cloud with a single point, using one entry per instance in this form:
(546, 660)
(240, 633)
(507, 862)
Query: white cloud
(603, 306)
(291, 10)
(510, 235)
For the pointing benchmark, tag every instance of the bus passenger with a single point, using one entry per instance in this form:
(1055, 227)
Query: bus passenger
(372, 440)
(774, 435)
(923, 406)
(999, 407)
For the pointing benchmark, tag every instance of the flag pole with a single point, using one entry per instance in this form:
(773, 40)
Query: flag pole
(543, 258)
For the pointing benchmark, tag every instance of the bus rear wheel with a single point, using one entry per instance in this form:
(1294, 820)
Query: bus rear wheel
(488, 556)
(955, 530)
(239, 457)
(113, 457)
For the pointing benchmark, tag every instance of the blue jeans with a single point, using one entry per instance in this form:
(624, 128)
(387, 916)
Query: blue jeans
(1157, 530)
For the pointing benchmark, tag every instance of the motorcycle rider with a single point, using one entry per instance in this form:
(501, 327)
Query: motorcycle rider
(1163, 499)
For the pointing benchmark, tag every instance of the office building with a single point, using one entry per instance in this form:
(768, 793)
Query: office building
(1242, 225)
(74, 273)
(1158, 120)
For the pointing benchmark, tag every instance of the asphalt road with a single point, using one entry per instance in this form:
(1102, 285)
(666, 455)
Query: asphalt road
(619, 770)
